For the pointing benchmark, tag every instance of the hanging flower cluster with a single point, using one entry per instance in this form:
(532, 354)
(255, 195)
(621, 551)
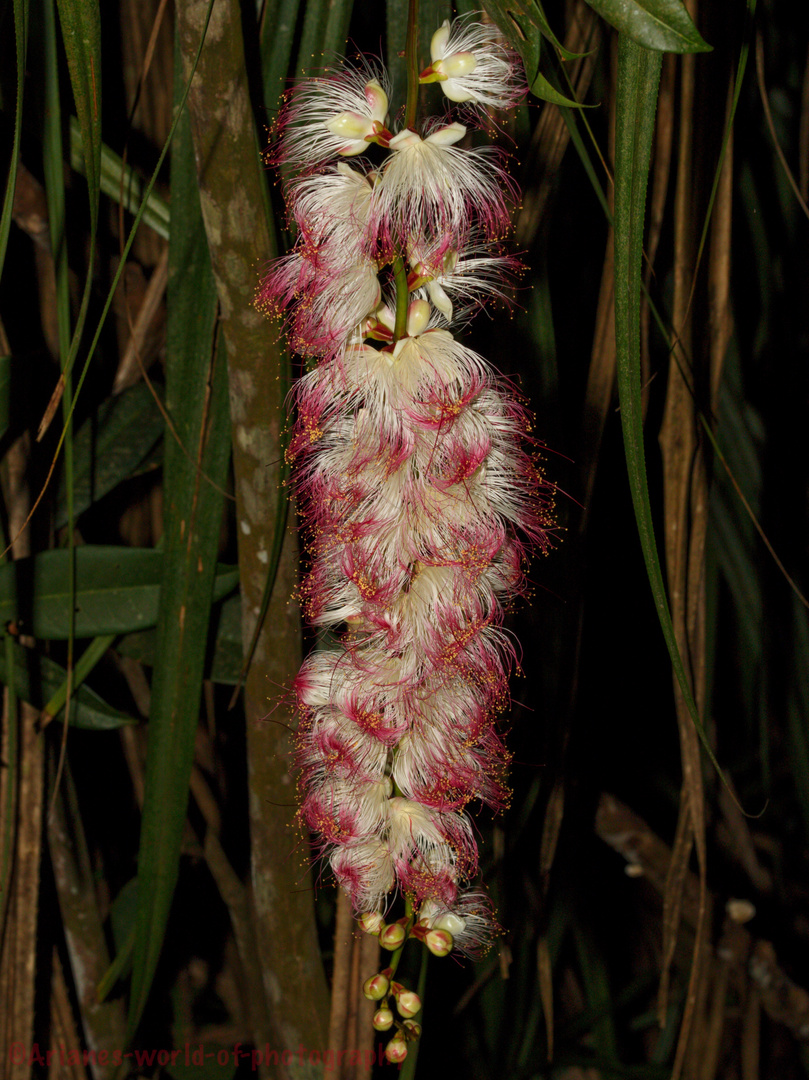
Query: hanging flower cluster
(417, 494)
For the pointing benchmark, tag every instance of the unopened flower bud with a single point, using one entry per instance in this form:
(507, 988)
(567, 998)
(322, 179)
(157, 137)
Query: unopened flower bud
(418, 316)
(383, 1019)
(376, 987)
(371, 922)
(439, 942)
(408, 1003)
(392, 936)
(396, 1050)
(412, 1029)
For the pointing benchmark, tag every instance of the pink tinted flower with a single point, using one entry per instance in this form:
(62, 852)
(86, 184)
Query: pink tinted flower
(430, 186)
(470, 920)
(337, 115)
(327, 285)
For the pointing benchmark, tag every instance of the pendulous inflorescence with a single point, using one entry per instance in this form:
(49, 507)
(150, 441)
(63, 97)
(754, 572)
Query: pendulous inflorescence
(419, 497)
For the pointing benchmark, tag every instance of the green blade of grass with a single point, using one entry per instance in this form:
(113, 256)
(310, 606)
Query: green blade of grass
(276, 41)
(325, 29)
(636, 99)
(192, 522)
(81, 36)
(120, 183)
(21, 39)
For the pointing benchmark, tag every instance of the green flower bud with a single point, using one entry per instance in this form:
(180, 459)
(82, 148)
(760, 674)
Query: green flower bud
(439, 942)
(383, 1019)
(371, 922)
(376, 987)
(408, 1003)
(392, 936)
(396, 1050)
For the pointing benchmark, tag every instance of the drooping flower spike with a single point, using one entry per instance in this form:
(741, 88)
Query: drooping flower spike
(418, 495)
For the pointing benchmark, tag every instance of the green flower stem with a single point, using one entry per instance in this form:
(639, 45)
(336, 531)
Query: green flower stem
(402, 297)
(397, 956)
(412, 55)
(408, 1070)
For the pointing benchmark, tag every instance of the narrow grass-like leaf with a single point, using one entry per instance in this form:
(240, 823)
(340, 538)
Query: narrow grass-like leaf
(232, 189)
(36, 677)
(660, 25)
(110, 446)
(120, 183)
(325, 29)
(117, 591)
(81, 36)
(198, 402)
(21, 41)
(147, 193)
(277, 37)
(88, 660)
(636, 100)
(595, 980)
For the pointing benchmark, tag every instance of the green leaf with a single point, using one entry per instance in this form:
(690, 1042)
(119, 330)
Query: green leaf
(37, 679)
(541, 88)
(277, 35)
(325, 30)
(661, 25)
(110, 446)
(21, 41)
(81, 36)
(199, 407)
(123, 913)
(117, 591)
(520, 20)
(121, 183)
(227, 653)
(636, 105)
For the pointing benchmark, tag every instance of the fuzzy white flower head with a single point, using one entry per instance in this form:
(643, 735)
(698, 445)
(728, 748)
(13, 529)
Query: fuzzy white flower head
(334, 116)
(474, 63)
(429, 186)
(471, 275)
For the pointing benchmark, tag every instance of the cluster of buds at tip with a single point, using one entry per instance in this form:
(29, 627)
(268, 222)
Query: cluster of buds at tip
(419, 492)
